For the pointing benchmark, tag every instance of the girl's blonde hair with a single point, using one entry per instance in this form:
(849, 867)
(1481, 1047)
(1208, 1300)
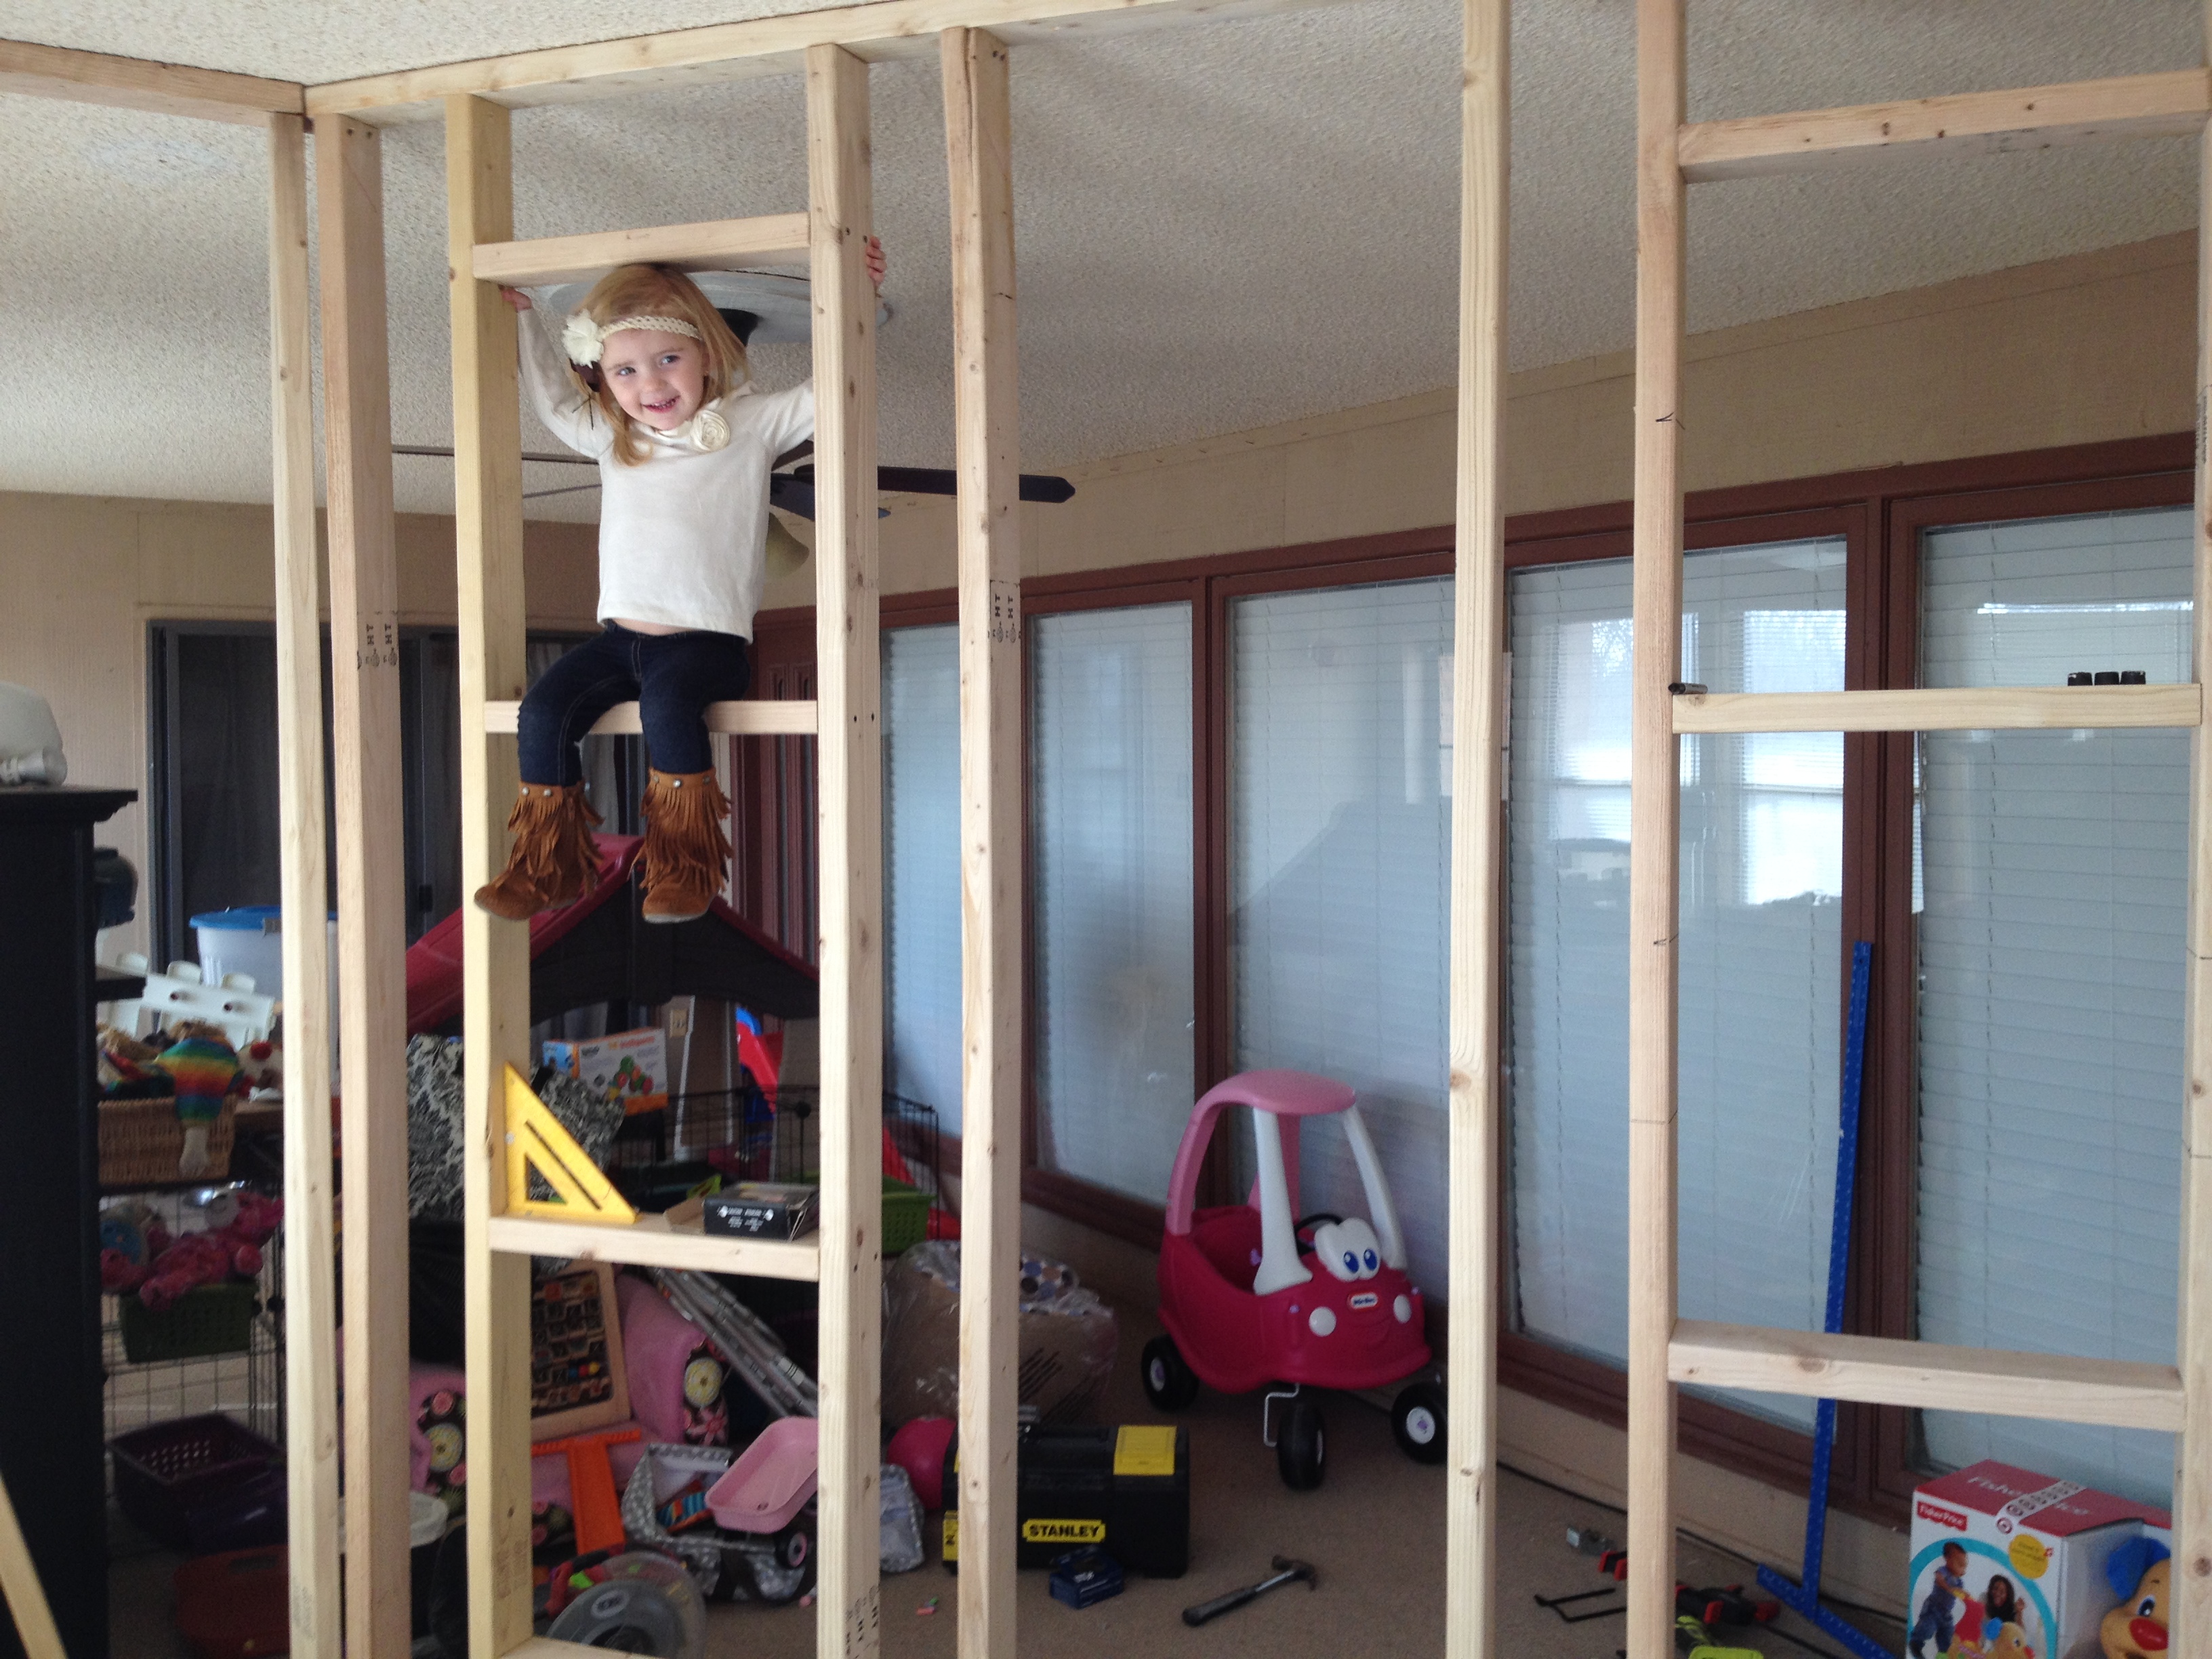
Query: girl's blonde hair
(657, 291)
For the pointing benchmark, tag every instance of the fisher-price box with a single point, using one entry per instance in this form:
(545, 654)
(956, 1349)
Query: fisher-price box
(2008, 1564)
(630, 1066)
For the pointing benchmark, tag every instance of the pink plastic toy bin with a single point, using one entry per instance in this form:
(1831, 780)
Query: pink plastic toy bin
(772, 1479)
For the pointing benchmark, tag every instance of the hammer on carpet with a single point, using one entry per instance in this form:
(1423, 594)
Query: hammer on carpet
(1286, 1570)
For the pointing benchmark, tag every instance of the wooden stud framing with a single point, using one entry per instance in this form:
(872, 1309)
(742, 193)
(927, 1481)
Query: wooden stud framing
(777, 239)
(878, 31)
(2191, 1615)
(372, 903)
(1966, 124)
(495, 954)
(1930, 1375)
(1663, 1351)
(774, 717)
(650, 1242)
(25, 1596)
(94, 77)
(978, 135)
(1996, 708)
(1479, 658)
(311, 1317)
(849, 755)
(1654, 806)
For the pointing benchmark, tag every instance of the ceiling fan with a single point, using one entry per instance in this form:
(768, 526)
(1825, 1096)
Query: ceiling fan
(792, 491)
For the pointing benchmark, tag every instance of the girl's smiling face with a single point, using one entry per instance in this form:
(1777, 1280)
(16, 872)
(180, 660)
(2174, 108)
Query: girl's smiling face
(659, 379)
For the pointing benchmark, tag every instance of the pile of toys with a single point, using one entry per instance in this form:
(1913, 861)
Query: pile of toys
(139, 1256)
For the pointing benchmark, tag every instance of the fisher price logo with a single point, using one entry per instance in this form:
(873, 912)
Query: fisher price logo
(1941, 1516)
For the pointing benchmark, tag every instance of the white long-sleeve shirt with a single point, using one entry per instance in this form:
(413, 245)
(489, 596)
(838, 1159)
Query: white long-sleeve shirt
(683, 534)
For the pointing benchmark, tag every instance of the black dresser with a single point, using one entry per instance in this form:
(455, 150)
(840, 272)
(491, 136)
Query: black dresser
(50, 1425)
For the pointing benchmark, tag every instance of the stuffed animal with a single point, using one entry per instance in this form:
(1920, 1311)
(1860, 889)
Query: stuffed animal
(204, 1067)
(261, 1069)
(2008, 1641)
(2139, 1572)
(214, 1257)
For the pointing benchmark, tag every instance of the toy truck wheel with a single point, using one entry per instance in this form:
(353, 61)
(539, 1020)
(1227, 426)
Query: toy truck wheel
(1301, 1451)
(1170, 1382)
(1417, 1419)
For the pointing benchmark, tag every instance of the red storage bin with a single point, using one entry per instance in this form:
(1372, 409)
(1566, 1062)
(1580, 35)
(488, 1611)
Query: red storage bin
(236, 1606)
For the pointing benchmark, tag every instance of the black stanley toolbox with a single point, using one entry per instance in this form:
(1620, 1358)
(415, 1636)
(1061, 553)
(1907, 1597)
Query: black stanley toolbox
(1126, 1489)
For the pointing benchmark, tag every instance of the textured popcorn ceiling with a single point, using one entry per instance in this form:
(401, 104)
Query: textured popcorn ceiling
(1220, 225)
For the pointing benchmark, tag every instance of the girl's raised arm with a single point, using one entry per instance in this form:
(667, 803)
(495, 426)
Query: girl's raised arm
(560, 403)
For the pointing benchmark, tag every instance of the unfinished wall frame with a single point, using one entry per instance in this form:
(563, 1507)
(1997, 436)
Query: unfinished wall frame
(1664, 1350)
(311, 1359)
(832, 48)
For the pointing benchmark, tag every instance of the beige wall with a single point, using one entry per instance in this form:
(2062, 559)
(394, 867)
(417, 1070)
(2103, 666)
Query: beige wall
(2074, 350)
(85, 575)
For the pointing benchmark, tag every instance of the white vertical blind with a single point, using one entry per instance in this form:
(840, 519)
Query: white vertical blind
(1760, 951)
(2053, 866)
(1111, 867)
(1339, 855)
(921, 867)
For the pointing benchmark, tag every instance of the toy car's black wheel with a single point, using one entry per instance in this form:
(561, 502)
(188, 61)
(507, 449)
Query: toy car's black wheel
(1417, 1419)
(1301, 1452)
(1169, 1384)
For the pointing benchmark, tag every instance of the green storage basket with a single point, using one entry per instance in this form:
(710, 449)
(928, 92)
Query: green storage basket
(906, 1217)
(211, 1319)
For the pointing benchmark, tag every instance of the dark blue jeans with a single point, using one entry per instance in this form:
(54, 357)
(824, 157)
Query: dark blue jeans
(673, 676)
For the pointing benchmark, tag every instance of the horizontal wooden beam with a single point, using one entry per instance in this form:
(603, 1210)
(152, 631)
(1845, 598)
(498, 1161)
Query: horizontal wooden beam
(1978, 709)
(94, 77)
(649, 1242)
(1882, 1372)
(1966, 123)
(777, 238)
(878, 32)
(768, 718)
(545, 1647)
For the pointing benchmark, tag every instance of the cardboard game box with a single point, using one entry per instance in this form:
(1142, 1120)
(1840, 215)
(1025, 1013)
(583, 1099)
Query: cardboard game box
(2021, 1543)
(630, 1066)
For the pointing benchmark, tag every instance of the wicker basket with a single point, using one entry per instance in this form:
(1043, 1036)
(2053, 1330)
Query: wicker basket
(141, 1141)
(211, 1319)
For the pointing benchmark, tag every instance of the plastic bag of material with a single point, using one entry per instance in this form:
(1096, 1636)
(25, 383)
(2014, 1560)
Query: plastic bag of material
(1068, 1337)
(902, 1522)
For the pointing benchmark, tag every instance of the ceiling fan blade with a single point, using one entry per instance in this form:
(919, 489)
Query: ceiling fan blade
(943, 480)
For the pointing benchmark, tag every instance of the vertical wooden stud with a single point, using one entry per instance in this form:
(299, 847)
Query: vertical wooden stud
(311, 1384)
(2191, 1614)
(372, 915)
(495, 954)
(848, 695)
(1653, 815)
(25, 1596)
(978, 137)
(1478, 655)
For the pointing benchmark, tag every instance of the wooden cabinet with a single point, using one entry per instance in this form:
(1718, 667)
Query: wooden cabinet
(50, 1375)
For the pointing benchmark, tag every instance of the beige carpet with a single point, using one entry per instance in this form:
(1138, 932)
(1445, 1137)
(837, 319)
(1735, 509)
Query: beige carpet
(1375, 1530)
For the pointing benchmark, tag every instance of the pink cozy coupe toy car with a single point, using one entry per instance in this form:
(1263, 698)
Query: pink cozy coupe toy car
(1253, 1299)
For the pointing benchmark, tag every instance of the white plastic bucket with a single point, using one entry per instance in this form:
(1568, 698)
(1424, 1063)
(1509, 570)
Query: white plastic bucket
(250, 941)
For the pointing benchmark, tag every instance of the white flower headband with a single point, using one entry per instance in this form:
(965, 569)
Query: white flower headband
(586, 341)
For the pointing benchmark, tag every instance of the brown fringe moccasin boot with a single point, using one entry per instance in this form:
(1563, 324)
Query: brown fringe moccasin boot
(554, 861)
(687, 855)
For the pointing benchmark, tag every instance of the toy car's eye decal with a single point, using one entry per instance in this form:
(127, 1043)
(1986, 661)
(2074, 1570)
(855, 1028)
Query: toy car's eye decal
(1349, 1249)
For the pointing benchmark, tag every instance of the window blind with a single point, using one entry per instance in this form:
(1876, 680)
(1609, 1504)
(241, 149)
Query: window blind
(1110, 871)
(1760, 951)
(1340, 860)
(2052, 871)
(921, 867)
